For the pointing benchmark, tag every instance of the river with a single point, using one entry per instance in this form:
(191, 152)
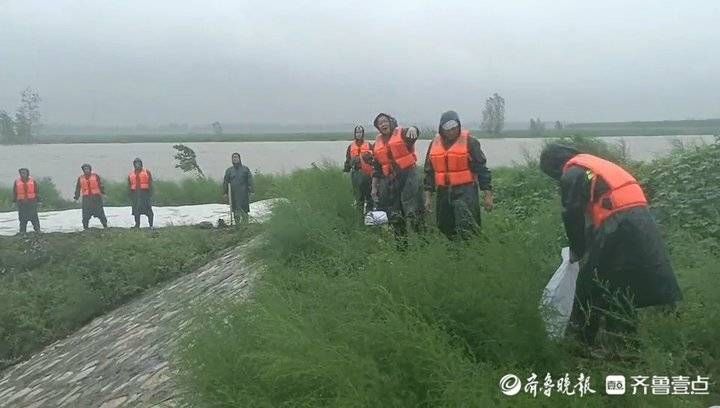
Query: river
(113, 161)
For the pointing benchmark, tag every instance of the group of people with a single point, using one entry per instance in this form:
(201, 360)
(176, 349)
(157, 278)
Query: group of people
(384, 176)
(624, 263)
(237, 187)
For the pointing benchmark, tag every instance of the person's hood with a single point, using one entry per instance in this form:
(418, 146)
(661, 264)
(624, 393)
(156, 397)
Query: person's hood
(554, 157)
(362, 132)
(393, 121)
(446, 118)
(239, 163)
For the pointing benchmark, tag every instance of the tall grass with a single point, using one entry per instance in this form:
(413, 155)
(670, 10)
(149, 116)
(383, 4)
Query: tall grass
(340, 318)
(52, 284)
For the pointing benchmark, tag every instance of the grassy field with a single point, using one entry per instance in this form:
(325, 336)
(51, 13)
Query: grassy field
(52, 284)
(650, 128)
(637, 128)
(340, 318)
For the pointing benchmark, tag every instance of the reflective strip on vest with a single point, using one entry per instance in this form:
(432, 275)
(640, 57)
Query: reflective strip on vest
(395, 152)
(142, 178)
(452, 166)
(623, 189)
(360, 151)
(89, 185)
(25, 190)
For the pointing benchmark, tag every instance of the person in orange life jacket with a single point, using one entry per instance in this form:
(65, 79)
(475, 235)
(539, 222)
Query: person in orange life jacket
(26, 195)
(624, 263)
(455, 167)
(358, 161)
(140, 188)
(90, 188)
(395, 186)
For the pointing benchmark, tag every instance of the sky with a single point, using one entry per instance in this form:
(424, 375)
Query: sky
(297, 62)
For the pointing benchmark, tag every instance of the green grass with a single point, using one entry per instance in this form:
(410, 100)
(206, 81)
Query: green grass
(52, 284)
(657, 128)
(340, 318)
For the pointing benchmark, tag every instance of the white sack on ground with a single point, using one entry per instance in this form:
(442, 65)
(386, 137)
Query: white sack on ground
(376, 218)
(121, 217)
(558, 296)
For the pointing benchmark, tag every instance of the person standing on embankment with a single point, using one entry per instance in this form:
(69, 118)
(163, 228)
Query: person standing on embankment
(455, 166)
(90, 187)
(395, 184)
(358, 161)
(26, 195)
(624, 261)
(140, 190)
(237, 186)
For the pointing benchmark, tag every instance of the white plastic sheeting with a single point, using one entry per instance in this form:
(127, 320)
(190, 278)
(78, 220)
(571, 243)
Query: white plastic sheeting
(559, 295)
(121, 217)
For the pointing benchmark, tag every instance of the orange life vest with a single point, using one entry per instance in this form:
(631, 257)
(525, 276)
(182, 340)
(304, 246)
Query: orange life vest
(395, 152)
(89, 185)
(452, 166)
(623, 189)
(359, 151)
(141, 178)
(25, 190)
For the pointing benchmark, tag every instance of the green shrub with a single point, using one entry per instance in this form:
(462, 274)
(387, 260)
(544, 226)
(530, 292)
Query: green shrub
(683, 188)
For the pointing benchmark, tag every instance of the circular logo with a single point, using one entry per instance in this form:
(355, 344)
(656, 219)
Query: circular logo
(510, 384)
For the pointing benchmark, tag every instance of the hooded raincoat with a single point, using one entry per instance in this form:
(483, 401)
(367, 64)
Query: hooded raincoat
(625, 262)
(458, 208)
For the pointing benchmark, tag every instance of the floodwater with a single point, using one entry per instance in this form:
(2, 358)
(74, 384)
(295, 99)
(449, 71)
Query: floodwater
(113, 161)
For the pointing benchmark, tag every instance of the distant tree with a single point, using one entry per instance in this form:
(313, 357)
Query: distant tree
(558, 125)
(494, 115)
(217, 128)
(187, 161)
(27, 117)
(537, 127)
(24, 126)
(7, 128)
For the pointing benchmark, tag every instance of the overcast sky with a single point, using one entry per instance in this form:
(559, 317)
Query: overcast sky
(154, 62)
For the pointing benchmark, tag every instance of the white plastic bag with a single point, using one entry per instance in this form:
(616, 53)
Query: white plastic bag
(376, 218)
(559, 295)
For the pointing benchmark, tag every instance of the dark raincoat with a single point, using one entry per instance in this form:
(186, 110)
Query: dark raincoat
(625, 263)
(400, 193)
(28, 209)
(627, 250)
(92, 205)
(141, 200)
(240, 180)
(458, 208)
(361, 182)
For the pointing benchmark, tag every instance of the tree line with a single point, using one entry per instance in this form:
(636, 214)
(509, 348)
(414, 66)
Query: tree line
(22, 126)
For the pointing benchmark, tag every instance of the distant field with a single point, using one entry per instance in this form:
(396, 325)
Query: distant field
(656, 128)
